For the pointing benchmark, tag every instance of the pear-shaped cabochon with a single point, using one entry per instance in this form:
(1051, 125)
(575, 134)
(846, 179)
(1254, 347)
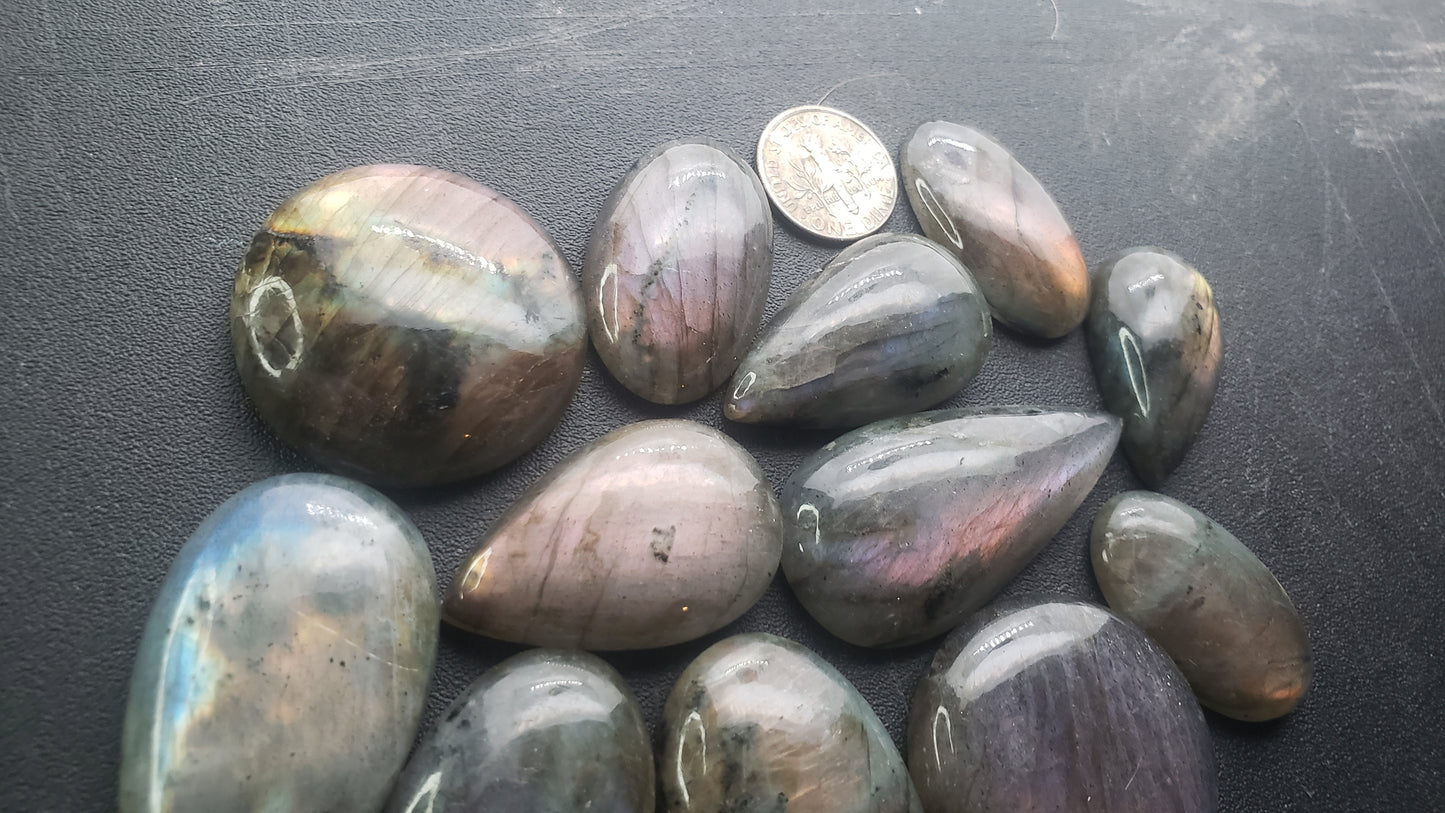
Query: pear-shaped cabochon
(653, 534)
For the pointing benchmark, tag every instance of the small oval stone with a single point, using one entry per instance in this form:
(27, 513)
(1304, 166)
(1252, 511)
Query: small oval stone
(545, 731)
(894, 324)
(759, 723)
(677, 271)
(1155, 346)
(286, 659)
(407, 326)
(973, 197)
(1207, 600)
(1057, 706)
(653, 534)
(897, 531)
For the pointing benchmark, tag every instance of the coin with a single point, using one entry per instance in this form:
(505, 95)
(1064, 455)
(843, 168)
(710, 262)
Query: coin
(827, 172)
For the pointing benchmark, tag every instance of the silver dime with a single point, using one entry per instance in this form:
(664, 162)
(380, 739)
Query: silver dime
(827, 172)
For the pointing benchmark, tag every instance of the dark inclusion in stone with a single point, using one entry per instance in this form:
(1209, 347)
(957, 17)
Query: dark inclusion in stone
(1208, 601)
(892, 325)
(759, 723)
(407, 325)
(1058, 706)
(677, 271)
(1155, 345)
(895, 532)
(546, 731)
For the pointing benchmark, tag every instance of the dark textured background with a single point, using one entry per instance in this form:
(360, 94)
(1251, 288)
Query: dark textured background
(1293, 150)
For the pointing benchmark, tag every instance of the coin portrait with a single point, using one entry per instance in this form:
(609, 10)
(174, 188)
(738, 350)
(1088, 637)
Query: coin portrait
(827, 173)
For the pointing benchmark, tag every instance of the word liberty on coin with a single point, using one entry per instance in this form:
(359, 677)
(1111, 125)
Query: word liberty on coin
(827, 172)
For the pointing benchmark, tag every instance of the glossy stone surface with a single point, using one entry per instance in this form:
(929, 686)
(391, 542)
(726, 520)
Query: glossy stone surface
(677, 271)
(653, 534)
(898, 530)
(545, 731)
(1057, 706)
(1207, 600)
(759, 723)
(894, 324)
(1155, 345)
(406, 325)
(286, 659)
(973, 197)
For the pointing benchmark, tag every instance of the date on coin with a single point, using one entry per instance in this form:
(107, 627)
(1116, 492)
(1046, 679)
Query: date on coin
(827, 172)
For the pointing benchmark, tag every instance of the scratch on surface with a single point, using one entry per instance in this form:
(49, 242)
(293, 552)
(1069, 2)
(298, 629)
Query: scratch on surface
(1394, 316)
(1055, 4)
(1384, 141)
(1232, 77)
(311, 619)
(1399, 327)
(1243, 89)
(368, 71)
(8, 195)
(856, 79)
(1132, 776)
(1404, 91)
(1414, 181)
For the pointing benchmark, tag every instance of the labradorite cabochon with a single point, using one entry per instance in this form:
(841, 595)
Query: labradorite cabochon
(974, 198)
(655, 533)
(895, 532)
(545, 731)
(286, 659)
(677, 270)
(760, 723)
(1156, 349)
(407, 326)
(894, 324)
(1207, 600)
(1060, 706)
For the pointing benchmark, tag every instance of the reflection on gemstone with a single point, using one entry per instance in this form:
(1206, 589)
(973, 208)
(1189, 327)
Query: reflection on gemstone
(286, 659)
(406, 325)
(546, 730)
(1208, 601)
(274, 327)
(972, 196)
(654, 534)
(1060, 706)
(677, 271)
(896, 531)
(758, 722)
(1155, 346)
(893, 324)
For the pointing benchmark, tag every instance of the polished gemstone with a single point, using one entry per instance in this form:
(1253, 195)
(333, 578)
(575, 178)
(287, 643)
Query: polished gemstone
(1057, 706)
(1155, 345)
(677, 271)
(972, 196)
(759, 723)
(897, 531)
(546, 731)
(286, 659)
(892, 325)
(1207, 600)
(407, 326)
(653, 534)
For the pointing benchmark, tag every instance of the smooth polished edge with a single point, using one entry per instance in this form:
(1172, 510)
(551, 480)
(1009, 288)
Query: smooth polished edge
(747, 373)
(214, 539)
(590, 278)
(457, 596)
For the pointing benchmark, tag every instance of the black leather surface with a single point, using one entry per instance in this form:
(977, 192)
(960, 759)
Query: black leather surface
(1295, 151)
